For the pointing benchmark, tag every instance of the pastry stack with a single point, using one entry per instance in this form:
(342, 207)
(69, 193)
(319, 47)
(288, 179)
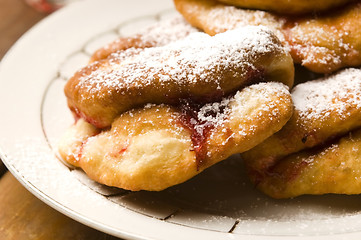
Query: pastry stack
(157, 108)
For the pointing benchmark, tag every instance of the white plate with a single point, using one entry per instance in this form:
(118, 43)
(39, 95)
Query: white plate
(218, 204)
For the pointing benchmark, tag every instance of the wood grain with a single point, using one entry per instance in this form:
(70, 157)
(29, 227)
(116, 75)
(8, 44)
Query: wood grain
(16, 19)
(23, 216)
(2, 169)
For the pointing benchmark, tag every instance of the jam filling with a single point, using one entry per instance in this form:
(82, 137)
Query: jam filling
(200, 129)
(190, 107)
(290, 171)
(80, 115)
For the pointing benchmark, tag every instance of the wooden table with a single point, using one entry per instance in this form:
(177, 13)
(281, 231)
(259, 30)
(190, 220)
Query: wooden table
(23, 216)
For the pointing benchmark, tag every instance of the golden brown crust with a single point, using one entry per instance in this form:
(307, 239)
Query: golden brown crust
(200, 68)
(322, 43)
(286, 6)
(159, 146)
(213, 17)
(328, 42)
(324, 109)
(331, 169)
(144, 150)
(120, 44)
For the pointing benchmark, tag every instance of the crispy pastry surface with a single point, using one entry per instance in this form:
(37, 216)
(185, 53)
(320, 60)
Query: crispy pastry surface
(323, 43)
(200, 68)
(287, 6)
(158, 146)
(334, 168)
(307, 155)
(324, 109)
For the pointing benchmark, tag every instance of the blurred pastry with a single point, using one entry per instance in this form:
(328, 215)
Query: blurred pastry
(288, 7)
(322, 43)
(334, 168)
(324, 110)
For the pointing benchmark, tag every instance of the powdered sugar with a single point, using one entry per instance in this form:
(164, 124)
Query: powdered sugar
(162, 32)
(269, 94)
(196, 58)
(166, 31)
(322, 43)
(229, 17)
(337, 94)
(214, 113)
(328, 48)
(240, 116)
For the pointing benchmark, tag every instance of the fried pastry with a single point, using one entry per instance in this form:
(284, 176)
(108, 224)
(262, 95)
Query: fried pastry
(328, 42)
(213, 17)
(334, 168)
(324, 109)
(200, 68)
(74, 137)
(158, 146)
(287, 6)
(158, 34)
(322, 43)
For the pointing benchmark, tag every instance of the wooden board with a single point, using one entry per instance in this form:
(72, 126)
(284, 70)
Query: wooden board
(16, 19)
(2, 168)
(23, 216)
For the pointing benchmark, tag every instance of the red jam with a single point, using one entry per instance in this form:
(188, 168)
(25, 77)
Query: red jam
(200, 130)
